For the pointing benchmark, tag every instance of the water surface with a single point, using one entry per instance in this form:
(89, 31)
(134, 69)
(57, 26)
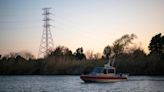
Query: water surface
(74, 84)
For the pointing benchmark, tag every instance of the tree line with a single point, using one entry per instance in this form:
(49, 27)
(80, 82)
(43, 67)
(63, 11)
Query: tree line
(62, 60)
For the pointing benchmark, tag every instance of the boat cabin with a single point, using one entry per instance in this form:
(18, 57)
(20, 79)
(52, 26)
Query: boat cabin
(102, 70)
(109, 70)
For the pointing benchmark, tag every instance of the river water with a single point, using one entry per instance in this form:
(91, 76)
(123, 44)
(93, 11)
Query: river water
(74, 84)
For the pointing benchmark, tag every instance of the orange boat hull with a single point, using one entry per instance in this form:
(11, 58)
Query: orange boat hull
(91, 78)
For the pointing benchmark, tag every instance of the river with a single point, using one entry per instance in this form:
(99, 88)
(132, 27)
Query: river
(34, 83)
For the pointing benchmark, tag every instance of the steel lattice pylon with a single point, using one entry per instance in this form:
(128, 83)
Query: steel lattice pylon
(46, 44)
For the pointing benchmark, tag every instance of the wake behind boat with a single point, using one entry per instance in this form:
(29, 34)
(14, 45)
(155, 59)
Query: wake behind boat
(104, 74)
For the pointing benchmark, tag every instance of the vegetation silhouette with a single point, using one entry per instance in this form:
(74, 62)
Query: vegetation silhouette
(63, 61)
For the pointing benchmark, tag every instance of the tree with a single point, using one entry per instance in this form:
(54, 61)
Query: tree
(11, 54)
(61, 51)
(107, 51)
(138, 53)
(121, 44)
(79, 54)
(89, 54)
(157, 44)
(19, 58)
(97, 56)
(57, 51)
(26, 55)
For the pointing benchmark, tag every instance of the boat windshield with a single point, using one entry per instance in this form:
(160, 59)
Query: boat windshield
(98, 70)
(110, 70)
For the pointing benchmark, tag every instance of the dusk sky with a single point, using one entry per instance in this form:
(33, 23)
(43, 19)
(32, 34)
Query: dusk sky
(91, 24)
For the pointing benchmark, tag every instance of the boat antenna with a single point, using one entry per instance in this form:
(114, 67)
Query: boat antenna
(111, 60)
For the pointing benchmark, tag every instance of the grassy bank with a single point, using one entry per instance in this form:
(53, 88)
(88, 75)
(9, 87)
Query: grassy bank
(66, 66)
(48, 66)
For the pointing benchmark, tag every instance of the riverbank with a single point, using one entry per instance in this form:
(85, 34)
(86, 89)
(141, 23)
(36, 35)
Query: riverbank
(62, 66)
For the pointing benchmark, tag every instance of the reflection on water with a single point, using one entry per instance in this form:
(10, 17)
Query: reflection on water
(74, 84)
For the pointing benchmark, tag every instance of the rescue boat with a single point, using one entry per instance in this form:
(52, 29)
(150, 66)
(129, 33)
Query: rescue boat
(104, 74)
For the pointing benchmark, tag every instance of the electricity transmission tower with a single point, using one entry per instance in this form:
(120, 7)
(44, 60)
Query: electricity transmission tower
(46, 44)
